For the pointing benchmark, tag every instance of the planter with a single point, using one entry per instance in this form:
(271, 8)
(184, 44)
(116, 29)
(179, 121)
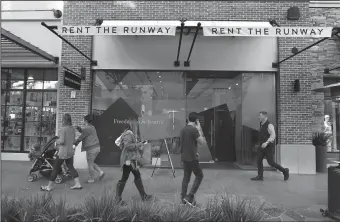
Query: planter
(333, 191)
(321, 159)
(156, 161)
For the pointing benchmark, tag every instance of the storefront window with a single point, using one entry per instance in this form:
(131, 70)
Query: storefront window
(28, 108)
(156, 105)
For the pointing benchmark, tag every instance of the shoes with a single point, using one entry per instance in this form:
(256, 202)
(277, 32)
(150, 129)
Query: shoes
(257, 178)
(190, 199)
(286, 174)
(140, 188)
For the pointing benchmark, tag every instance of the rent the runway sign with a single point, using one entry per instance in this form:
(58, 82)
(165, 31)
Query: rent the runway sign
(269, 31)
(117, 30)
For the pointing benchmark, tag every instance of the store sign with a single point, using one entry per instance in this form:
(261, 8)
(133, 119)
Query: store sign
(71, 80)
(318, 32)
(117, 30)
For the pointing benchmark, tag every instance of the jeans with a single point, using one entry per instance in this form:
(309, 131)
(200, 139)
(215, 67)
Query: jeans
(267, 152)
(126, 173)
(91, 156)
(57, 168)
(190, 167)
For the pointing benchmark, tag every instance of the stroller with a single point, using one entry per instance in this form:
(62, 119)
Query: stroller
(44, 163)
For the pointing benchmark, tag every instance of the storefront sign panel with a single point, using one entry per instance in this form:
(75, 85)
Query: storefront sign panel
(72, 80)
(316, 32)
(117, 30)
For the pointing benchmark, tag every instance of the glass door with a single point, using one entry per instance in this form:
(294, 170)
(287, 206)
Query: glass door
(214, 96)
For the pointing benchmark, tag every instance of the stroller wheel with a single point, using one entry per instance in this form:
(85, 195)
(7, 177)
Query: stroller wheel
(59, 179)
(32, 177)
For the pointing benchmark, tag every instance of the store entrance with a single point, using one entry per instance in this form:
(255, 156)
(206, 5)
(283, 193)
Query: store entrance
(210, 94)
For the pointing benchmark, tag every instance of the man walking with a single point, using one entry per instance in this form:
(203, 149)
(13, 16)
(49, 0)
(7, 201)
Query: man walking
(190, 136)
(267, 147)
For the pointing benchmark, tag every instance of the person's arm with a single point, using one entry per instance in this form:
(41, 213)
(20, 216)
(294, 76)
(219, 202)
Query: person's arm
(61, 140)
(85, 132)
(128, 143)
(199, 136)
(272, 134)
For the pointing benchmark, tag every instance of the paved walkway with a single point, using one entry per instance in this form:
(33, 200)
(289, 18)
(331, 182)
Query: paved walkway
(299, 199)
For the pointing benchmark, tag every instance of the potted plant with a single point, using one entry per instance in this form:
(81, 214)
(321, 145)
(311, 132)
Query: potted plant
(156, 156)
(320, 141)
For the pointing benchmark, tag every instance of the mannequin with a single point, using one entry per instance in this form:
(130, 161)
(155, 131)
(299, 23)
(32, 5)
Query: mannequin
(328, 131)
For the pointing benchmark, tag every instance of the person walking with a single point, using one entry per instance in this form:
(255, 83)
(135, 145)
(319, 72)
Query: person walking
(90, 144)
(266, 147)
(132, 151)
(190, 136)
(65, 142)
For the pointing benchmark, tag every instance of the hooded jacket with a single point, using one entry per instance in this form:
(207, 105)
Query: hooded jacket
(131, 149)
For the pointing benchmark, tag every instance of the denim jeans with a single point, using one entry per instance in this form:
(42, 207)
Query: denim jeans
(190, 167)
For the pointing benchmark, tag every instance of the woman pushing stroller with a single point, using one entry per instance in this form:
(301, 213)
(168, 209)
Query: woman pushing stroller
(65, 142)
(129, 159)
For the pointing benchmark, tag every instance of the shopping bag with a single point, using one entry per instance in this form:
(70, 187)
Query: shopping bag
(118, 141)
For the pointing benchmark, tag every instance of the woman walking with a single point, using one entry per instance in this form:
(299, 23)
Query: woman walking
(65, 142)
(129, 159)
(90, 144)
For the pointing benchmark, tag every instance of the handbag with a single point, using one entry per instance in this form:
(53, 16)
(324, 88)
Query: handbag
(118, 141)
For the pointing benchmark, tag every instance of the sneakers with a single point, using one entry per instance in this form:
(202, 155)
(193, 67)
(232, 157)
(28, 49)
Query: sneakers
(190, 199)
(257, 178)
(286, 174)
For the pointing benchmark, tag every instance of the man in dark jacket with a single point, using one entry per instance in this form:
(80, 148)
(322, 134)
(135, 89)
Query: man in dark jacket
(266, 147)
(190, 136)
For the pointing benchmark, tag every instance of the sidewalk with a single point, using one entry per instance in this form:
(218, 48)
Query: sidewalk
(299, 199)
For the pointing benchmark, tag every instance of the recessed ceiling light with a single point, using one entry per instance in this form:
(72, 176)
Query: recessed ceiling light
(229, 88)
(237, 84)
(160, 81)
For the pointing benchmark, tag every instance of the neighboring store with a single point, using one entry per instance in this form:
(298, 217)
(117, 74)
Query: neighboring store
(29, 80)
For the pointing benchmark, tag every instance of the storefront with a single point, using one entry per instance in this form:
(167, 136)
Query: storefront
(29, 81)
(136, 81)
(229, 79)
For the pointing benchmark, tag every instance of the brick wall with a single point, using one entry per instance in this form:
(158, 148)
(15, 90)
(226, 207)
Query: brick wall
(324, 55)
(295, 112)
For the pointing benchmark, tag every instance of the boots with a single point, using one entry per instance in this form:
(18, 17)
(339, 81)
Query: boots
(286, 174)
(140, 188)
(119, 191)
(258, 178)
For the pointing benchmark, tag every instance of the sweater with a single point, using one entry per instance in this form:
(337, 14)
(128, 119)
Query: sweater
(89, 138)
(67, 135)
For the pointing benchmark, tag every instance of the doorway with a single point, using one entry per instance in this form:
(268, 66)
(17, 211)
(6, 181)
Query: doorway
(215, 96)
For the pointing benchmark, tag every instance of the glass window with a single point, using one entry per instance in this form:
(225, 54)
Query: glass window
(34, 98)
(15, 98)
(4, 74)
(16, 84)
(31, 141)
(35, 74)
(33, 114)
(35, 84)
(3, 97)
(11, 143)
(50, 99)
(51, 79)
(16, 74)
(49, 114)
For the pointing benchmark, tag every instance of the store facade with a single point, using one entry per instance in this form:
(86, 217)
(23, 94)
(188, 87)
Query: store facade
(29, 80)
(229, 80)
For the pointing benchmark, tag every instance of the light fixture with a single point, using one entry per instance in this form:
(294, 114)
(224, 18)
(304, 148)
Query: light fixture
(229, 87)
(237, 84)
(160, 80)
(159, 76)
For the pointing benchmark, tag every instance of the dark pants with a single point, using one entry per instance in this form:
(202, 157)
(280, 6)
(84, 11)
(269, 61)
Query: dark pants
(126, 173)
(190, 167)
(267, 152)
(57, 168)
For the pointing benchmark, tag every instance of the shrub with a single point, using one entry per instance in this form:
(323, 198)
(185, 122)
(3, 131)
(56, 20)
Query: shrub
(222, 207)
(320, 139)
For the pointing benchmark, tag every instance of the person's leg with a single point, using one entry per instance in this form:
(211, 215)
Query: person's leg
(139, 185)
(269, 152)
(56, 170)
(74, 173)
(196, 168)
(121, 183)
(186, 179)
(91, 156)
(260, 156)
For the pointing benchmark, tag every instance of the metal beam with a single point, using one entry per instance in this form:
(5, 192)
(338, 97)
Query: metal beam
(334, 32)
(28, 46)
(326, 71)
(93, 62)
(187, 63)
(177, 62)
